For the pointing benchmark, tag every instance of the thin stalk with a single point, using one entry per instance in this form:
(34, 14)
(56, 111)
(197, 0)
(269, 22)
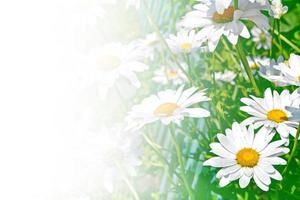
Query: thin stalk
(287, 41)
(272, 39)
(293, 150)
(159, 154)
(127, 181)
(231, 53)
(214, 71)
(181, 164)
(219, 56)
(280, 42)
(243, 58)
(162, 39)
(236, 4)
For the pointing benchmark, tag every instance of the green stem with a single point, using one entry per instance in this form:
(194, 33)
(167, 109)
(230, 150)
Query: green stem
(162, 39)
(181, 165)
(236, 4)
(280, 42)
(243, 58)
(127, 181)
(287, 41)
(231, 53)
(154, 147)
(293, 150)
(272, 39)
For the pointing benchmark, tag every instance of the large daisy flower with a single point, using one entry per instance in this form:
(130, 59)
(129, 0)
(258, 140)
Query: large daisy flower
(261, 37)
(271, 112)
(115, 60)
(168, 106)
(170, 74)
(244, 155)
(184, 42)
(283, 73)
(213, 25)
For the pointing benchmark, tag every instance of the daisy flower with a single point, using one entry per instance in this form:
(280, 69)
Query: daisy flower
(226, 76)
(170, 74)
(290, 70)
(256, 62)
(221, 5)
(115, 60)
(269, 72)
(277, 9)
(261, 37)
(135, 3)
(90, 11)
(213, 25)
(295, 114)
(284, 73)
(168, 106)
(271, 113)
(149, 45)
(243, 155)
(184, 42)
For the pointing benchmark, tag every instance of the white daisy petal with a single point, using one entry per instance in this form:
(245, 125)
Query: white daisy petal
(244, 181)
(260, 184)
(219, 162)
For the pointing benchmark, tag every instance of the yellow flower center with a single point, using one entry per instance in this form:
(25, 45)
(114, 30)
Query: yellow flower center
(247, 157)
(277, 115)
(171, 73)
(187, 46)
(287, 63)
(166, 109)
(262, 38)
(298, 78)
(254, 66)
(108, 62)
(226, 17)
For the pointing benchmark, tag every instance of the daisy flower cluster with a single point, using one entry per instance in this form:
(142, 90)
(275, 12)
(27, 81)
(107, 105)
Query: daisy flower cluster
(181, 82)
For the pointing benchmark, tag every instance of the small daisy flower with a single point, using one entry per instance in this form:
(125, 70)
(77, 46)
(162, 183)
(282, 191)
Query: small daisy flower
(115, 60)
(170, 74)
(184, 42)
(149, 45)
(291, 70)
(271, 113)
(256, 62)
(134, 3)
(168, 106)
(226, 76)
(269, 72)
(243, 155)
(277, 9)
(261, 37)
(284, 73)
(230, 24)
(151, 40)
(295, 114)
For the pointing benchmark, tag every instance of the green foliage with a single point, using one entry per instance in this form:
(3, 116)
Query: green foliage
(196, 135)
